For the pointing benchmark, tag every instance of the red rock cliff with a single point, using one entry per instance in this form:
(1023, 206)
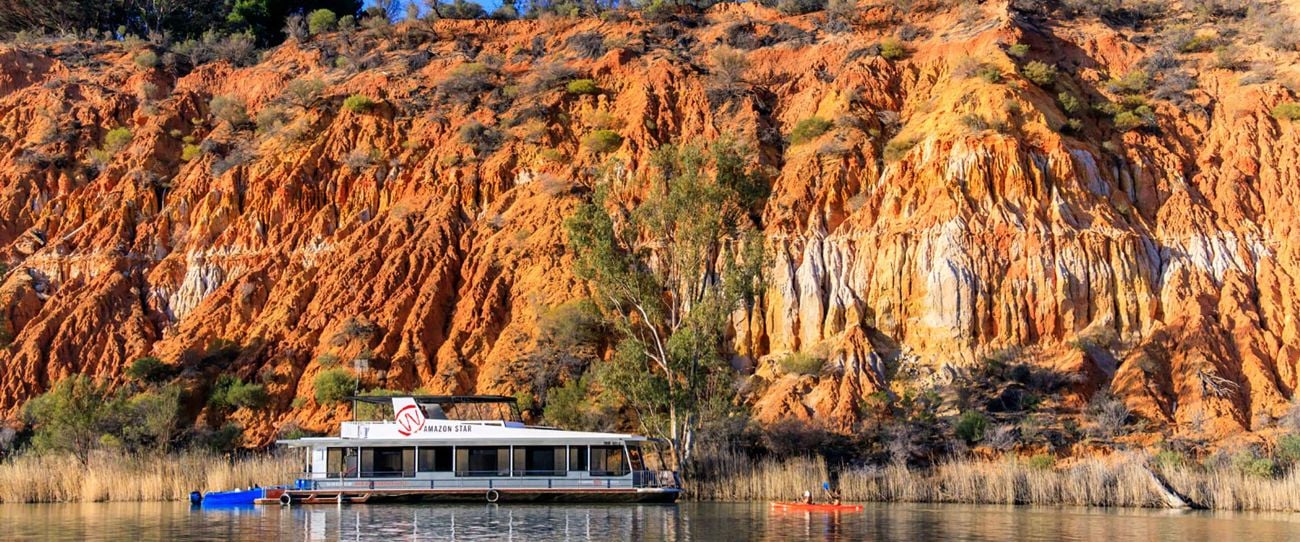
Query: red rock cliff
(947, 214)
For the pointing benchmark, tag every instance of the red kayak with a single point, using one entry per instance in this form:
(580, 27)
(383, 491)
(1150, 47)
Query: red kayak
(818, 507)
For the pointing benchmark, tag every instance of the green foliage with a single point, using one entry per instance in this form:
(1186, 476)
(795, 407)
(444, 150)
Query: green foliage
(457, 9)
(229, 109)
(79, 415)
(222, 440)
(117, 139)
(321, 21)
(1134, 82)
(333, 385)
(1042, 461)
(358, 103)
(190, 152)
(1288, 449)
(1040, 73)
(1069, 103)
(146, 59)
(602, 141)
(1140, 117)
(231, 392)
(1248, 463)
(1287, 111)
(971, 426)
(990, 73)
(670, 365)
(898, 147)
(1170, 459)
(893, 49)
(148, 369)
(809, 129)
(1018, 50)
(571, 406)
(799, 7)
(799, 363)
(303, 92)
(582, 86)
(72, 416)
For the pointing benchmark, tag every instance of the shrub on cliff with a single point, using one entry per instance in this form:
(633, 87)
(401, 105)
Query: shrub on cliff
(1287, 111)
(146, 59)
(799, 7)
(303, 92)
(148, 369)
(467, 81)
(321, 21)
(602, 141)
(357, 103)
(809, 129)
(892, 49)
(231, 392)
(1040, 73)
(800, 363)
(334, 385)
(971, 426)
(229, 109)
(582, 86)
(117, 139)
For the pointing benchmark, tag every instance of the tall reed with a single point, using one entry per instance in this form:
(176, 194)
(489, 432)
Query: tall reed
(1120, 480)
(114, 476)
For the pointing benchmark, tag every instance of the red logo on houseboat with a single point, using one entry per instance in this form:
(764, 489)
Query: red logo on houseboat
(410, 419)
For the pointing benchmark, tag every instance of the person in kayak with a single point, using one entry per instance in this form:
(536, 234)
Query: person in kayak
(807, 497)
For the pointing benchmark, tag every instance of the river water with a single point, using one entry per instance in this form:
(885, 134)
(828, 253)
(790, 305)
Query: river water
(137, 522)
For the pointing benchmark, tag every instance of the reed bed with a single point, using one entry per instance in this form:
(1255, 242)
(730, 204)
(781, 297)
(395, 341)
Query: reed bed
(111, 476)
(1121, 480)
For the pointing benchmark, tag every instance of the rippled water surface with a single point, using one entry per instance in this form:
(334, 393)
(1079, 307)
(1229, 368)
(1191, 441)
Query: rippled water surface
(686, 521)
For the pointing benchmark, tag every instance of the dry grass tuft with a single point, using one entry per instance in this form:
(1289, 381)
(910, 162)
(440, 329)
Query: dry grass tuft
(115, 476)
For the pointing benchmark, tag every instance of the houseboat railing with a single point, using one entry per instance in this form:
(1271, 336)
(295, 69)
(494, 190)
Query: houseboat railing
(639, 479)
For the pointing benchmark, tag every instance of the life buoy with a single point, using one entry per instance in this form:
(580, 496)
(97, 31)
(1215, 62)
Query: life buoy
(493, 495)
(285, 499)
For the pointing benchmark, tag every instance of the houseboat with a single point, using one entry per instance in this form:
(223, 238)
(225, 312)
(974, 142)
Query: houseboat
(469, 448)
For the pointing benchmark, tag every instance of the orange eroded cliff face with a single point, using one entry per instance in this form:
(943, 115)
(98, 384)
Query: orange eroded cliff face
(945, 215)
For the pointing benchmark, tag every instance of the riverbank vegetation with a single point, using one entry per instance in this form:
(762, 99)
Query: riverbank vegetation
(109, 476)
(1135, 479)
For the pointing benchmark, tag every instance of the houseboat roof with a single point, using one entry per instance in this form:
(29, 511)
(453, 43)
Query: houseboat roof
(412, 425)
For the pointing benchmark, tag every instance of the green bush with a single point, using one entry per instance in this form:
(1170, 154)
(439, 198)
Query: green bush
(1018, 50)
(1287, 111)
(602, 141)
(1042, 461)
(799, 363)
(1249, 464)
(321, 21)
(357, 103)
(971, 426)
(117, 139)
(582, 86)
(809, 129)
(892, 49)
(1288, 449)
(148, 369)
(229, 109)
(334, 385)
(1169, 459)
(1069, 103)
(230, 392)
(146, 59)
(989, 73)
(190, 152)
(1134, 82)
(1041, 73)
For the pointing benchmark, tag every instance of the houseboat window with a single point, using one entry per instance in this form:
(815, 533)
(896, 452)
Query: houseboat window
(539, 461)
(435, 459)
(387, 462)
(577, 458)
(483, 461)
(634, 457)
(608, 461)
(340, 462)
